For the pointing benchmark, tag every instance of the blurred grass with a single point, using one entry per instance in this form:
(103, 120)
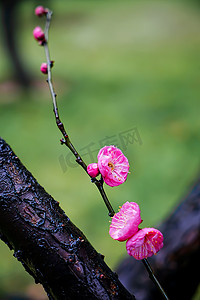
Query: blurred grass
(118, 65)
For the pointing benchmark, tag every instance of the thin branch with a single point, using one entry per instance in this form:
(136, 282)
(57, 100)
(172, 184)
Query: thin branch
(154, 279)
(65, 140)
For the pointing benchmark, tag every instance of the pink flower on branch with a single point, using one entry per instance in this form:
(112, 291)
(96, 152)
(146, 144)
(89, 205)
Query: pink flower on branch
(145, 243)
(125, 223)
(40, 11)
(93, 170)
(39, 35)
(113, 165)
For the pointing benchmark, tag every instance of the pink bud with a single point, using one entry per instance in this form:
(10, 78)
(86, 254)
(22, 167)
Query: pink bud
(39, 35)
(145, 243)
(40, 11)
(93, 170)
(44, 68)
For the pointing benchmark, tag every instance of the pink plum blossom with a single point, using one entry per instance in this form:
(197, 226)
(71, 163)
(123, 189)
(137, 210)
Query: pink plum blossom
(125, 223)
(40, 11)
(144, 243)
(39, 35)
(113, 165)
(93, 170)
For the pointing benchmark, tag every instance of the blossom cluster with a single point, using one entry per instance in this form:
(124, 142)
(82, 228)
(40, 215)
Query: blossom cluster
(141, 243)
(39, 35)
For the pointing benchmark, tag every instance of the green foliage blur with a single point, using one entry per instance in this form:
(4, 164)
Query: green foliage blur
(119, 65)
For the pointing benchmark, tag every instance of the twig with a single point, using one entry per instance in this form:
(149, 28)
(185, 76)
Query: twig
(65, 140)
(153, 278)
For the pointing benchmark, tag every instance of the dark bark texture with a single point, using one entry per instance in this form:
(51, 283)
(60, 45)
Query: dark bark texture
(53, 250)
(177, 265)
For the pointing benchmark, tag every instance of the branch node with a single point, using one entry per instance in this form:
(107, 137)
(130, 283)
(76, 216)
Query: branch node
(79, 160)
(62, 141)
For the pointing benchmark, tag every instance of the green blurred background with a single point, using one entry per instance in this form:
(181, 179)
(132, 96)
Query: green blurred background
(119, 65)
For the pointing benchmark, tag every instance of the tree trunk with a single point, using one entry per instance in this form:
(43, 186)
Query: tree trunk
(177, 265)
(44, 240)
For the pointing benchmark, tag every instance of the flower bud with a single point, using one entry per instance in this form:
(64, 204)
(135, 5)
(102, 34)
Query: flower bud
(44, 68)
(39, 35)
(93, 170)
(40, 11)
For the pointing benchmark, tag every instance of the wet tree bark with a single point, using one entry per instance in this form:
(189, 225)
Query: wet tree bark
(177, 265)
(53, 250)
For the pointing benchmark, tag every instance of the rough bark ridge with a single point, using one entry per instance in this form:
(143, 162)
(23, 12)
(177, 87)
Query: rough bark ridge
(44, 240)
(177, 264)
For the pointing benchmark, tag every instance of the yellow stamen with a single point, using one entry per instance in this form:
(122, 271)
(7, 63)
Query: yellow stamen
(111, 166)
